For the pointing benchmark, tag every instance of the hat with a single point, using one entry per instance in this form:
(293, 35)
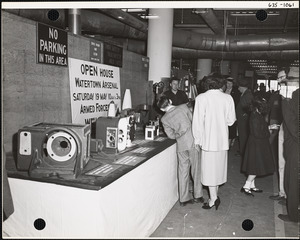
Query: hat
(230, 79)
(243, 82)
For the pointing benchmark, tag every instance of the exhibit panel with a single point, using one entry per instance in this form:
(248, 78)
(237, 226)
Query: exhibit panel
(132, 206)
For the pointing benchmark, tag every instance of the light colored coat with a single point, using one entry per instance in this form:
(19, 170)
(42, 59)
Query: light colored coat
(177, 124)
(214, 111)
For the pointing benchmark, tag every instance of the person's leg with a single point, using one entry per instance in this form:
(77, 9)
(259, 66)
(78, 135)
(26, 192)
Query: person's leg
(249, 180)
(291, 179)
(281, 162)
(195, 171)
(273, 139)
(247, 186)
(183, 176)
(213, 195)
(253, 187)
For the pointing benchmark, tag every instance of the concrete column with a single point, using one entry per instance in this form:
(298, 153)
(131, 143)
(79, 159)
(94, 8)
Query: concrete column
(203, 68)
(159, 49)
(224, 67)
(74, 19)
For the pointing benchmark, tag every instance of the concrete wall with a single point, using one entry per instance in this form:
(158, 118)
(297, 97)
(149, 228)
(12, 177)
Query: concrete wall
(34, 92)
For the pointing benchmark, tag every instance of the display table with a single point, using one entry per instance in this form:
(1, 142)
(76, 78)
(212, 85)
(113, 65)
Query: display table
(129, 203)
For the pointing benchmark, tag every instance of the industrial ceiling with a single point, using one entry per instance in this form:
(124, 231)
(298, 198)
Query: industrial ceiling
(264, 39)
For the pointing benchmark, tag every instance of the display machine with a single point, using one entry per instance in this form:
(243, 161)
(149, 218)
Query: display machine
(58, 150)
(113, 132)
(71, 151)
(152, 130)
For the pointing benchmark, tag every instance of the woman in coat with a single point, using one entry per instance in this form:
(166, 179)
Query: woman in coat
(242, 113)
(258, 158)
(214, 111)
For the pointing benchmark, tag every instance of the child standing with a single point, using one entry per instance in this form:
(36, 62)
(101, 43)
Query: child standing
(258, 159)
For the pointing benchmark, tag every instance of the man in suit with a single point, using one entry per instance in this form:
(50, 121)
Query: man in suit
(290, 108)
(242, 112)
(177, 123)
(281, 196)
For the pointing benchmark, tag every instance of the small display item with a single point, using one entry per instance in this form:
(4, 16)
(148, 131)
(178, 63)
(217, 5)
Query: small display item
(142, 150)
(102, 170)
(150, 132)
(160, 139)
(140, 142)
(129, 160)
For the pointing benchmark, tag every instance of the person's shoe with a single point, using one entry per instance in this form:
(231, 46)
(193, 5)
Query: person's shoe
(284, 218)
(282, 202)
(182, 204)
(257, 190)
(277, 197)
(199, 200)
(216, 204)
(247, 191)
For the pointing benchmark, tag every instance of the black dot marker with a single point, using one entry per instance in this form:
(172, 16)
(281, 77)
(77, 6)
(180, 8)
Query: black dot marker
(53, 15)
(261, 15)
(39, 224)
(247, 225)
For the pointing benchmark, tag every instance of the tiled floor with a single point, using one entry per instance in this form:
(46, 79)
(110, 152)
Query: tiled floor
(193, 221)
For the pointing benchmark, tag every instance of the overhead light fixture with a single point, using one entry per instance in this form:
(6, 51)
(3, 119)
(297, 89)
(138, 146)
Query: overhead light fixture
(149, 16)
(133, 9)
(199, 10)
(251, 13)
(183, 25)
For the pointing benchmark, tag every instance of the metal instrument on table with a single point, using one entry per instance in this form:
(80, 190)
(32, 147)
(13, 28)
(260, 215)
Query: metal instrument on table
(152, 129)
(53, 150)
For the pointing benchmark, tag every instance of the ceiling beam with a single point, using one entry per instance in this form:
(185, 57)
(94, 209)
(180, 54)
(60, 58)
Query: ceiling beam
(210, 18)
(126, 18)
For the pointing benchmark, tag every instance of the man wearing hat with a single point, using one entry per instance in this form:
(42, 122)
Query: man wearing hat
(290, 108)
(243, 111)
(281, 196)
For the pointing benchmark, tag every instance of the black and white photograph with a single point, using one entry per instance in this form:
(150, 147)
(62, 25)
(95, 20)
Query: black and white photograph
(150, 119)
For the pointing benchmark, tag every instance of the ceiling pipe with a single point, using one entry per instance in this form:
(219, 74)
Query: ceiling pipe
(193, 40)
(102, 24)
(198, 54)
(210, 18)
(74, 21)
(185, 39)
(126, 18)
(91, 22)
(97, 23)
(140, 48)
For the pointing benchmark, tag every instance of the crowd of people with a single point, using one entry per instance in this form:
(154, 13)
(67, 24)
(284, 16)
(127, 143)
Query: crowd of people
(265, 124)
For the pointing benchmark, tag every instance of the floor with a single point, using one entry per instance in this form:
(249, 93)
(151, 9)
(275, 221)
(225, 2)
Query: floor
(235, 215)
